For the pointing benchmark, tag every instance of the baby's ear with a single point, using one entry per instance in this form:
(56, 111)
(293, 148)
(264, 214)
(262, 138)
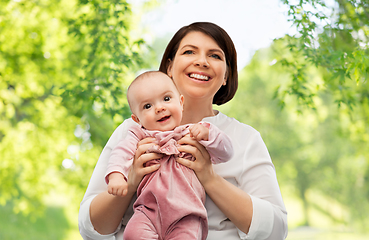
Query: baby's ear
(181, 99)
(135, 118)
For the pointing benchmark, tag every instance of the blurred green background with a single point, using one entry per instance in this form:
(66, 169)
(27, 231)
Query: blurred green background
(64, 69)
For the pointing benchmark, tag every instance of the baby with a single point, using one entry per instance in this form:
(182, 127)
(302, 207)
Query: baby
(170, 201)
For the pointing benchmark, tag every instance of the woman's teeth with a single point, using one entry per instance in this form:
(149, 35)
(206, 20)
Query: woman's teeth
(199, 77)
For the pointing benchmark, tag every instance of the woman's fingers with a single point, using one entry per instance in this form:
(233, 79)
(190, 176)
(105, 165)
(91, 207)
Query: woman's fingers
(138, 168)
(198, 151)
(145, 158)
(144, 145)
(187, 163)
(200, 161)
(190, 145)
(202, 164)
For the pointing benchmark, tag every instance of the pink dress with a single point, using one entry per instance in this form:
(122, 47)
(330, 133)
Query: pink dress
(170, 201)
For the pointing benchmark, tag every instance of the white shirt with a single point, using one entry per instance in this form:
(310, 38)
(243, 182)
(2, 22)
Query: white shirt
(250, 169)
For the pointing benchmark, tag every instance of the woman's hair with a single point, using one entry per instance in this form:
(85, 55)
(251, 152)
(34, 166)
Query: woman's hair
(225, 93)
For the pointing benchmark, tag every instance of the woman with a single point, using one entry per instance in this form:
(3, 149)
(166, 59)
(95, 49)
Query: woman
(244, 200)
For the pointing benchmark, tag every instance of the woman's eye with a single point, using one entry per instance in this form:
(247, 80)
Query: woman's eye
(188, 52)
(147, 106)
(216, 56)
(166, 99)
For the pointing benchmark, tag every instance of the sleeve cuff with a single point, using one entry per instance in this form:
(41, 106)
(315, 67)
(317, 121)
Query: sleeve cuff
(86, 228)
(262, 220)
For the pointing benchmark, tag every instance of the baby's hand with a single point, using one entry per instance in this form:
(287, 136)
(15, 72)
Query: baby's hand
(199, 132)
(117, 185)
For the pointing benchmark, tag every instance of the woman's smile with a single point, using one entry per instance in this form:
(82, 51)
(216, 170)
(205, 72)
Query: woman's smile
(199, 77)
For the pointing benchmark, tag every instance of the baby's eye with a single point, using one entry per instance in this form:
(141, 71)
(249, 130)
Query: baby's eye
(166, 99)
(147, 106)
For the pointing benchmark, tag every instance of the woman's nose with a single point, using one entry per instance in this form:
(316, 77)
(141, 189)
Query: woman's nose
(201, 61)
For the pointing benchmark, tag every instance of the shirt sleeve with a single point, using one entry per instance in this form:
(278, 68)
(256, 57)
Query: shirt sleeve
(269, 220)
(97, 185)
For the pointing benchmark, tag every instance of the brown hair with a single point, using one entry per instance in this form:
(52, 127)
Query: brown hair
(225, 93)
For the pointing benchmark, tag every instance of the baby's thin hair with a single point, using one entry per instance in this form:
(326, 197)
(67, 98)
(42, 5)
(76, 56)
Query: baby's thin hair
(142, 77)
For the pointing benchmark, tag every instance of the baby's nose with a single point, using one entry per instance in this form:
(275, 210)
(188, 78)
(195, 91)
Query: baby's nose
(160, 108)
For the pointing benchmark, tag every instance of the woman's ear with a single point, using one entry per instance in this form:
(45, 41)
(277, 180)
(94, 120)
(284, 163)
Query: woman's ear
(225, 77)
(135, 118)
(169, 69)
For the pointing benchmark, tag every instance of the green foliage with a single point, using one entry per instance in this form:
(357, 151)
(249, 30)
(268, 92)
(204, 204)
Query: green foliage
(105, 55)
(312, 149)
(64, 66)
(54, 225)
(335, 41)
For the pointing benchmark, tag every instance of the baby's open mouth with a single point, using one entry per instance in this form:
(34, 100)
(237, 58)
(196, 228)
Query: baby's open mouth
(199, 77)
(163, 119)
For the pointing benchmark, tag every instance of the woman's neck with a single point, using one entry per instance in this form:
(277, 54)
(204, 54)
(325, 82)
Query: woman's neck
(194, 112)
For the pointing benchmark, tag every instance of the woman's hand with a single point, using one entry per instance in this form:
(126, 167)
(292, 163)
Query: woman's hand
(138, 169)
(223, 193)
(202, 164)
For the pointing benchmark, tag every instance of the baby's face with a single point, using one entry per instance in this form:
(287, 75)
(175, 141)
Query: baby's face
(156, 103)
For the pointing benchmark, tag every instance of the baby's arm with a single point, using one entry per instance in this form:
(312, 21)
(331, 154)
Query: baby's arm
(218, 144)
(120, 160)
(199, 132)
(117, 185)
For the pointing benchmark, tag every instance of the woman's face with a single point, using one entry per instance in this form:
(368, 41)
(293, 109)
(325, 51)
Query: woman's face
(199, 67)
